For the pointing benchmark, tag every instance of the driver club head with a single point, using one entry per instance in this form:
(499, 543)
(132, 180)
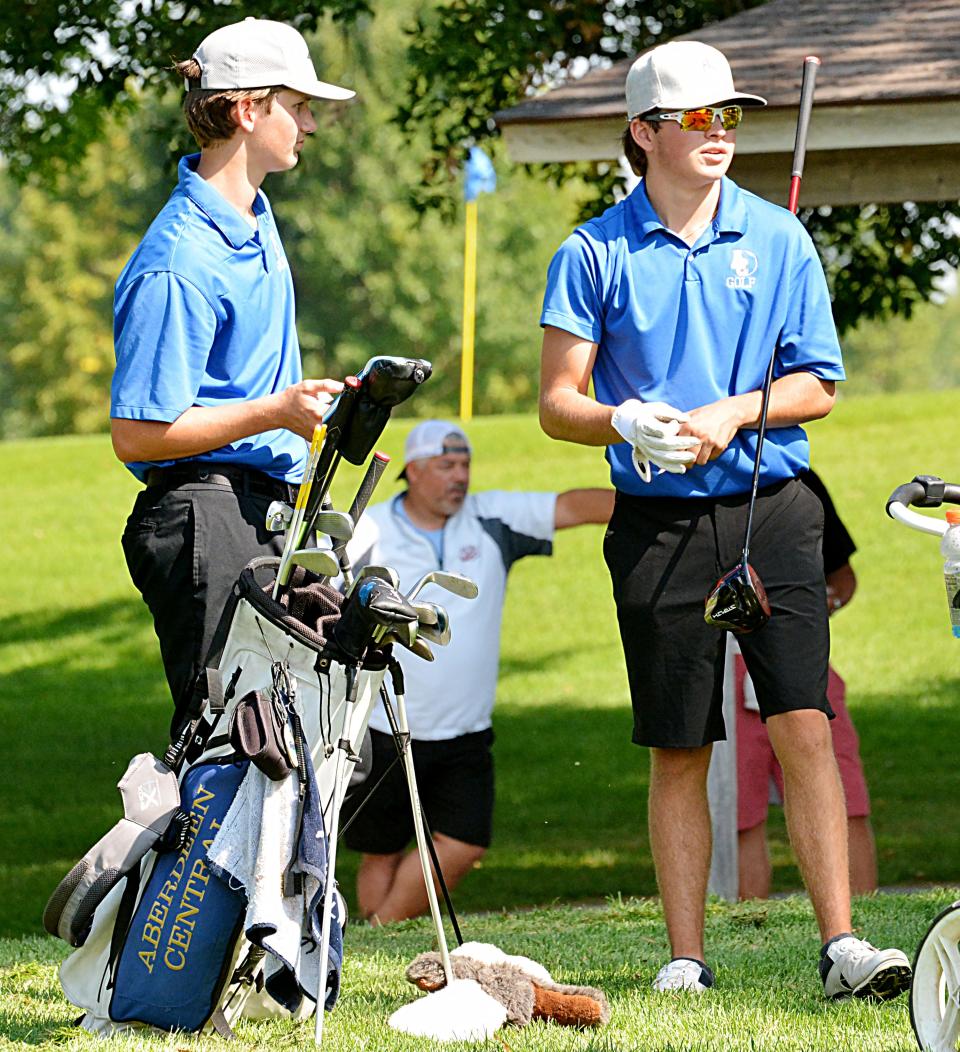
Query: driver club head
(320, 561)
(738, 601)
(278, 516)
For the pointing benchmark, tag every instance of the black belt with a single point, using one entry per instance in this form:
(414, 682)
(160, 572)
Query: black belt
(247, 481)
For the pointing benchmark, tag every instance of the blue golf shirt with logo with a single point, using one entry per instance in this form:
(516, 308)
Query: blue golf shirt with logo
(204, 316)
(691, 325)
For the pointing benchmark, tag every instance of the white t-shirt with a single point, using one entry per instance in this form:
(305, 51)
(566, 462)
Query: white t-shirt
(454, 694)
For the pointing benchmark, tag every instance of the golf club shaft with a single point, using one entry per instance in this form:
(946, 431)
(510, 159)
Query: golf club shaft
(808, 82)
(402, 758)
(807, 85)
(292, 539)
(337, 419)
(374, 473)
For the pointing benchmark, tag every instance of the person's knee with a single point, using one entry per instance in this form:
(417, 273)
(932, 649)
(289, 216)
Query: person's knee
(462, 855)
(800, 737)
(673, 764)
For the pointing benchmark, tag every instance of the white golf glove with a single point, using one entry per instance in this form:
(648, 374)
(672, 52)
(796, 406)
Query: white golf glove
(651, 429)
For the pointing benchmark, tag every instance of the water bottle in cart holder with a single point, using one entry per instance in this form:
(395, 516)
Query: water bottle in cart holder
(950, 550)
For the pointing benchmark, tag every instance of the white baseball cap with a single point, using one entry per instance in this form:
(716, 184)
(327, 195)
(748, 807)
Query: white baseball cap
(683, 75)
(433, 438)
(259, 53)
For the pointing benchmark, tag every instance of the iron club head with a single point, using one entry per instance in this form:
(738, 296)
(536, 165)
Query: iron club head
(457, 583)
(320, 561)
(384, 573)
(335, 524)
(278, 516)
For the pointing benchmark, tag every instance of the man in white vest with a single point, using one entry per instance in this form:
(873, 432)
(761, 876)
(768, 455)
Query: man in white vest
(437, 524)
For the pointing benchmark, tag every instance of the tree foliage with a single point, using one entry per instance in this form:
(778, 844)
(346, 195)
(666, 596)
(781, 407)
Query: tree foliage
(69, 63)
(471, 58)
(371, 276)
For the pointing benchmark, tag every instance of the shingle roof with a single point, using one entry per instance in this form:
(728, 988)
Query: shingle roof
(872, 51)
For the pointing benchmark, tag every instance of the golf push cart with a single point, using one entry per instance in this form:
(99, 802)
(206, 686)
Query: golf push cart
(935, 994)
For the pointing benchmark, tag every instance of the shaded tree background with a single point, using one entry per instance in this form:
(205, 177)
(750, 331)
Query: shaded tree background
(90, 132)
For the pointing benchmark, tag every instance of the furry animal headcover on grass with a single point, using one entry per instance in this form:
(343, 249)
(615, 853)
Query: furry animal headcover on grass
(523, 987)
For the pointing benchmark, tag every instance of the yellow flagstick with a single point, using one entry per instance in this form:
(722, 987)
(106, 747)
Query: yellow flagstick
(469, 310)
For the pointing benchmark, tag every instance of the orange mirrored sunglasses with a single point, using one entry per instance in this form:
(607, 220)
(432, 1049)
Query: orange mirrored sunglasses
(701, 120)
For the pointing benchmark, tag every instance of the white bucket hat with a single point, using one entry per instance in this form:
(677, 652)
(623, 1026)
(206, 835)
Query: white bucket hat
(259, 53)
(683, 75)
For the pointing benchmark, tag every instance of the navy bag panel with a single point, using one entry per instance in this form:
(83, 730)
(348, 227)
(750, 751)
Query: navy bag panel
(180, 943)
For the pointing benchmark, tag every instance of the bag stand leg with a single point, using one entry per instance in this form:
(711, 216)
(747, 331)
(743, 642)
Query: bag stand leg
(422, 837)
(344, 752)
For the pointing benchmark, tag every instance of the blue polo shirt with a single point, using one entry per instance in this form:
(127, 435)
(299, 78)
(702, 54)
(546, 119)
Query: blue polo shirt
(689, 326)
(204, 316)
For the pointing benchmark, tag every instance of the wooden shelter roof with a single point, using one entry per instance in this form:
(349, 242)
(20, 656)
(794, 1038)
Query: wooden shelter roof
(890, 79)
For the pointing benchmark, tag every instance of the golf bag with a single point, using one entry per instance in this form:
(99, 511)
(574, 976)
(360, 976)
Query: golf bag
(209, 906)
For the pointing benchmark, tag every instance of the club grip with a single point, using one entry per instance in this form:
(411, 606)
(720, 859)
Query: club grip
(374, 473)
(807, 86)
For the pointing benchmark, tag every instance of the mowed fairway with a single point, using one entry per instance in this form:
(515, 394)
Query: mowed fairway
(81, 687)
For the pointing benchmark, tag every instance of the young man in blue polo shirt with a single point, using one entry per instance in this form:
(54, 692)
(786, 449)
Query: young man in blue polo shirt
(672, 302)
(209, 407)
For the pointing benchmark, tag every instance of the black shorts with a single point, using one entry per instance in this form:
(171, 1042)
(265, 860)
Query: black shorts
(664, 554)
(455, 782)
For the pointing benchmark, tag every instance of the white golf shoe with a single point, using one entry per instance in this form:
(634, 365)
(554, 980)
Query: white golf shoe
(684, 973)
(850, 967)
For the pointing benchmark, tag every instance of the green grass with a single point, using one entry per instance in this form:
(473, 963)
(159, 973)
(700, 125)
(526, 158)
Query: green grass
(768, 995)
(81, 687)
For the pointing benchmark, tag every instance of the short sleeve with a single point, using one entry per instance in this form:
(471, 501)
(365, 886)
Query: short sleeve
(573, 300)
(808, 339)
(164, 329)
(520, 524)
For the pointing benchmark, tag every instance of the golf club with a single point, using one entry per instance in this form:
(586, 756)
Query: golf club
(320, 561)
(384, 573)
(294, 533)
(359, 414)
(337, 525)
(738, 601)
(373, 474)
(438, 634)
(457, 583)
(426, 613)
(278, 517)
(373, 605)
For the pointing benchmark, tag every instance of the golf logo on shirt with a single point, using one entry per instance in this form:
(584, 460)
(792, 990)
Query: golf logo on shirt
(744, 264)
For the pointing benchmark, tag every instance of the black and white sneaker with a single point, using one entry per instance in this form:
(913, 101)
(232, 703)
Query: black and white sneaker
(850, 967)
(684, 973)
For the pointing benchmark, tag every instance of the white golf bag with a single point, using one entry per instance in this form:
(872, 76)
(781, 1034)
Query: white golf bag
(162, 949)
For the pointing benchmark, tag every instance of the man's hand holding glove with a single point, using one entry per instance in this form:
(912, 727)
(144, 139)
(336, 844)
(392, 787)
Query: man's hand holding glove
(651, 428)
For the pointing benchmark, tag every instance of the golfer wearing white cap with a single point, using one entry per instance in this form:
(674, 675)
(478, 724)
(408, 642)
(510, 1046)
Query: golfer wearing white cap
(438, 524)
(672, 303)
(209, 407)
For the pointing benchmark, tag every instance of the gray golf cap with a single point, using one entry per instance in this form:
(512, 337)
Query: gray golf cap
(683, 75)
(260, 53)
